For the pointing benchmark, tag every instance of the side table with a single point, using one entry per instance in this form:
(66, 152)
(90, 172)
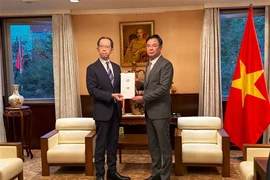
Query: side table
(23, 113)
(260, 166)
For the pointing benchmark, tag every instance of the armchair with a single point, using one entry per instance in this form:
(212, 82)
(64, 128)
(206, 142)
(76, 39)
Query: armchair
(11, 164)
(72, 143)
(201, 141)
(249, 152)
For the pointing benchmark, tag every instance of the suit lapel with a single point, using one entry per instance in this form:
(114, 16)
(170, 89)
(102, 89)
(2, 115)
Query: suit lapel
(153, 70)
(103, 71)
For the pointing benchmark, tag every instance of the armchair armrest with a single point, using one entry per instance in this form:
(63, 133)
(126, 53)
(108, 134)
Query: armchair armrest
(90, 144)
(225, 146)
(255, 150)
(90, 141)
(223, 138)
(179, 167)
(44, 146)
(49, 140)
(11, 150)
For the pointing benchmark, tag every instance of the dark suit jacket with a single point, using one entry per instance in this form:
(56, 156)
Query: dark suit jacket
(100, 88)
(157, 96)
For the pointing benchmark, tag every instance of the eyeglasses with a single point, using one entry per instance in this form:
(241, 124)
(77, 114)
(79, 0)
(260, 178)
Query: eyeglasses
(104, 47)
(152, 46)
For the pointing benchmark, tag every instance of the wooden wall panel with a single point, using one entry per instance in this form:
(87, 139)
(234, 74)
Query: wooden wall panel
(43, 116)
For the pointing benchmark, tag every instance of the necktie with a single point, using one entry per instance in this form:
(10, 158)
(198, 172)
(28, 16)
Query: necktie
(148, 70)
(110, 74)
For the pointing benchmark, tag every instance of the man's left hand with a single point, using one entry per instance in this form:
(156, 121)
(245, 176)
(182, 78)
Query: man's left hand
(138, 99)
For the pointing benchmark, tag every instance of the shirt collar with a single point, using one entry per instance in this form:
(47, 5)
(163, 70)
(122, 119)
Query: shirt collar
(155, 60)
(104, 61)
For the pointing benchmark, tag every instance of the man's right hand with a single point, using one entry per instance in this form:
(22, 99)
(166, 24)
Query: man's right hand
(118, 97)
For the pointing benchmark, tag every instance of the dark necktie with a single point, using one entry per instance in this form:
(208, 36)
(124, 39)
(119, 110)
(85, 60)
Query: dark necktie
(148, 70)
(110, 74)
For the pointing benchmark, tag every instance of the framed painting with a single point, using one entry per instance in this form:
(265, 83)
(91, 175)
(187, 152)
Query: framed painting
(133, 37)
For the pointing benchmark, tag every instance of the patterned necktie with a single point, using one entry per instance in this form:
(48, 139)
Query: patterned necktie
(110, 74)
(148, 70)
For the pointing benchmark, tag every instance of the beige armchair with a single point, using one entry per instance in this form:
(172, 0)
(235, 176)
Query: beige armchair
(11, 164)
(72, 143)
(249, 152)
(201, 141)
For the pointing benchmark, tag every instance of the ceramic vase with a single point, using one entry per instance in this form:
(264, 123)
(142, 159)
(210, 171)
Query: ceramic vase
(136, 109)
(15, 100)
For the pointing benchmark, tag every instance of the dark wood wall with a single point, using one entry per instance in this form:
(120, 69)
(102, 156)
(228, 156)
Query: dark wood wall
(185, 104)
(44, 114)
(43, 121)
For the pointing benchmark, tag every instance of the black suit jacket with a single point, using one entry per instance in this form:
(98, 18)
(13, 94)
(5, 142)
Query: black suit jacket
(100, 88)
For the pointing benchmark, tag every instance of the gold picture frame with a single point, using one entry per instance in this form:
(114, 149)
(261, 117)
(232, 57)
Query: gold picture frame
(132, 42)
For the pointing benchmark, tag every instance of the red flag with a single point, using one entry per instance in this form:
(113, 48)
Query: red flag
(19, 58)
(248, 111)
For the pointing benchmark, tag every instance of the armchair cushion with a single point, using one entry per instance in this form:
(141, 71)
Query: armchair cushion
(201, 153)
(67, 153)
(10, 167)
(11, 164)
(246, 170)
(8, 152)
(199, 136)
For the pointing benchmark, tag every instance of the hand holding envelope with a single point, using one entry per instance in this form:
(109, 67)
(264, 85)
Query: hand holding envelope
(128, 85)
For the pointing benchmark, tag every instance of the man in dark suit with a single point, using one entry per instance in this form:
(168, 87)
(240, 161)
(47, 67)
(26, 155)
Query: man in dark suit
(103, 84)
(157, 99)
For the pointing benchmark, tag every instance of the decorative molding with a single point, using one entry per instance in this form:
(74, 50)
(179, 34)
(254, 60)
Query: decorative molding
(237, 4)
(137, 10)
(44, 12)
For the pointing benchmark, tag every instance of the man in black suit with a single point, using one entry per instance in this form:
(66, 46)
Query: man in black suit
(157, 99)
(103, 84)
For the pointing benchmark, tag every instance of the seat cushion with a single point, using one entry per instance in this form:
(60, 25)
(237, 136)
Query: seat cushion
(202, 153)
(67, 153)
(10, 167)
(246, 170)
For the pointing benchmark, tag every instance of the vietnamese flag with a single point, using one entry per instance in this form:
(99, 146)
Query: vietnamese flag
(247, 112)
(19, 59)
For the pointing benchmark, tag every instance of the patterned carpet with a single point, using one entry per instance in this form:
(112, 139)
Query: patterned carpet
(135, 163)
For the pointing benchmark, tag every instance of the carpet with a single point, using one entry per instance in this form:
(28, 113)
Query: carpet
(135, 163)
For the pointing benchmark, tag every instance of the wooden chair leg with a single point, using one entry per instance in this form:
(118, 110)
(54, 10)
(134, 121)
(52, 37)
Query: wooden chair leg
(20, 177)
(179, 169)
(120, 155)
(226, 170)
(89, 168)
(45, 169)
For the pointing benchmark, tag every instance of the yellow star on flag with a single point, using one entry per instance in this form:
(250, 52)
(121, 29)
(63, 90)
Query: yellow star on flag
(246, 83)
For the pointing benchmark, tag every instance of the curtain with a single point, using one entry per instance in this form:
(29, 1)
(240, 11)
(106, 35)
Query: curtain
(266, 135)
(210, 98)
(2, 128)
(65, 62)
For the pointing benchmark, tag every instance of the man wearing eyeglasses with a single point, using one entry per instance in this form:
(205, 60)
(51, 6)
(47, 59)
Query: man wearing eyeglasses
(103, 84)
(157, 99)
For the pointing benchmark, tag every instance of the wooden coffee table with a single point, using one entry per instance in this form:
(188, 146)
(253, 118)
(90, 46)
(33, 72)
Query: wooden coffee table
(132, 141)
(260, 165)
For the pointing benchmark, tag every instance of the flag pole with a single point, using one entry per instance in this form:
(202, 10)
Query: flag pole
(21, 63)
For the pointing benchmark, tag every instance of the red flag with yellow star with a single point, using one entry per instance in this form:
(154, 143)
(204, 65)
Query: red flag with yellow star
(247, 112)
